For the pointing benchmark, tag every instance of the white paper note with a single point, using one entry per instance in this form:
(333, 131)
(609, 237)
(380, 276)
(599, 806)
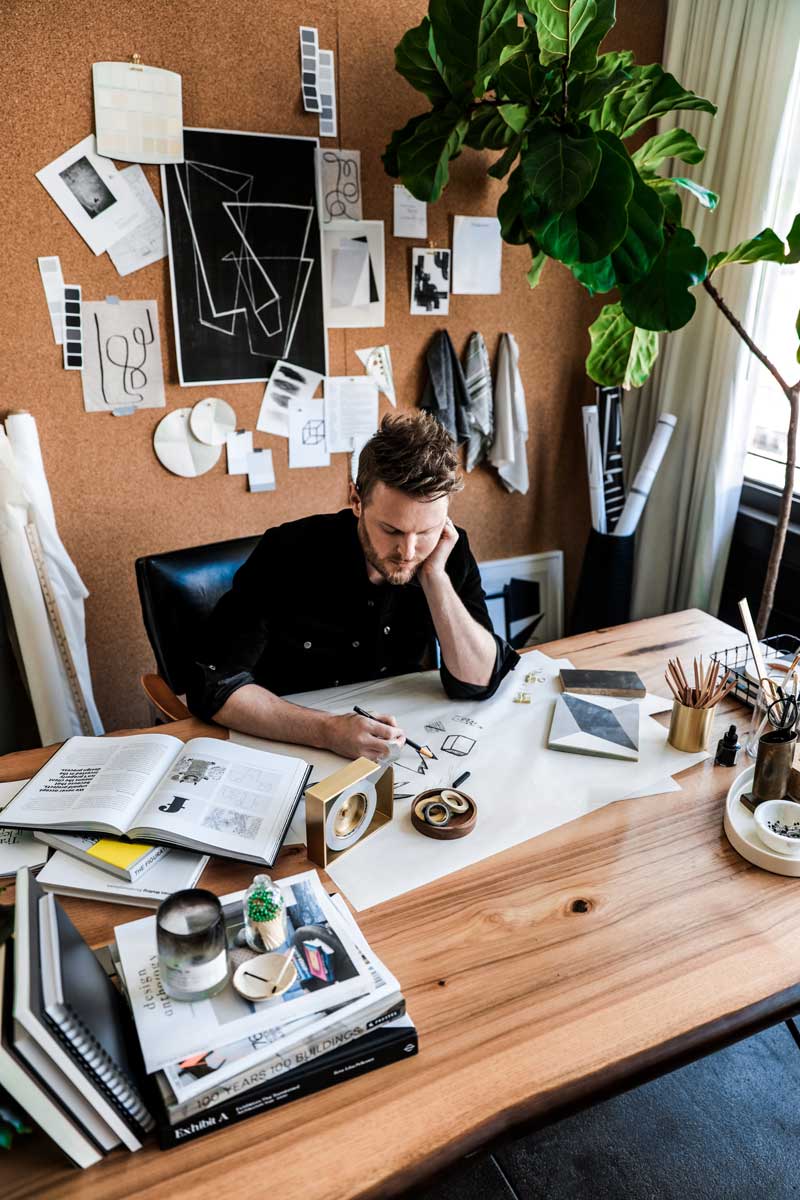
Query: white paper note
(340, 185)
(53, 284)
(350, 275)
(410, 214)
(477, 256)
(287, 382)
(260, 471)
(122, 356)
(351, 411)
(147, 243)
(92, 194)
(239, 445)
(138, 112)
(377, 362)
(307, 445)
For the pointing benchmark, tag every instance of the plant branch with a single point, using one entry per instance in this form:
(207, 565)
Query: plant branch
(785, 387)
(564, 96)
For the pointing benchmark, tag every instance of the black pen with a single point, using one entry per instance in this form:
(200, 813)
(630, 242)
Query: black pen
(425, 751)
(461, 779)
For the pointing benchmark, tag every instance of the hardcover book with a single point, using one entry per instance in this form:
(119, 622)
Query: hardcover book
(125, 860)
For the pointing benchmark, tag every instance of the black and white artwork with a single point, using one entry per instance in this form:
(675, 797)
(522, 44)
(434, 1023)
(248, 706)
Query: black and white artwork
(355, 274)
(121, 356)
(340, 184)
(430, 282)
(93, 195)
(286, 383)
(245, 256)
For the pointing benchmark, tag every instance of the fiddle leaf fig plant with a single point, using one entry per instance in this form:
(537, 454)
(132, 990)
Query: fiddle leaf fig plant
(527, 79)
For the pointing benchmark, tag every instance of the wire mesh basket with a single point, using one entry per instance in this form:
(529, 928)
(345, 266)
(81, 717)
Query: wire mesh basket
(780, 646)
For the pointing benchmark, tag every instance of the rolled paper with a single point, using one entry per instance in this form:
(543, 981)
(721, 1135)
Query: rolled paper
(645, 476)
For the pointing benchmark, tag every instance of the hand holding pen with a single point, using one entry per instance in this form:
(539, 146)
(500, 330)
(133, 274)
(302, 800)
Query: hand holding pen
(424, 751)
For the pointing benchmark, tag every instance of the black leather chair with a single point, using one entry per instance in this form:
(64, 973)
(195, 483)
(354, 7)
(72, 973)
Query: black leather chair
(177, 591)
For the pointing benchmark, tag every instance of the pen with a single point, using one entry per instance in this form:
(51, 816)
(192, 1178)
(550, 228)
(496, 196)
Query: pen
(461, 779)
(425, 751)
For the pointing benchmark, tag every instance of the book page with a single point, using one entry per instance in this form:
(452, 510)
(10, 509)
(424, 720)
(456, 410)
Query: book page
(100, 781)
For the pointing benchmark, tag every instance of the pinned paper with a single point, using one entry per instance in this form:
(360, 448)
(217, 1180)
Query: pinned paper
(53, 284)
(147, 243)
(122, 356)
(239, 446)
(72, 328)
(138, 112)
(178, 449)
(377, 362)
(309, 68)
(477, 256)
(351, 412)
(410, 214)
(430, 282)
(327, 95)
(286, 382)
(340, 185)
(212, 420)
(353, 254)
(307, 444)
(260, 471)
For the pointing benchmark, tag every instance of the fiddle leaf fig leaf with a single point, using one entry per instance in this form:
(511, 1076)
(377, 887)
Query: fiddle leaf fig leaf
(560, 166)
(662, 300)
(707, 198)
(469, 36)
(537, 266)
(487, 129)
(621, 355)
(588, 90)
(766, 246)
(516, 116)
(675, 143)
(412, 60)
(595, 276)
(424, 157)
(797, 329)
(651, 92)
(517, 210)
(499, 169)
(644, 236)
(519, 76)
(572, 29)
(389, 156)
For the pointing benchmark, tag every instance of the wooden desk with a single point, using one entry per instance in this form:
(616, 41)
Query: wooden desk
(577, 964)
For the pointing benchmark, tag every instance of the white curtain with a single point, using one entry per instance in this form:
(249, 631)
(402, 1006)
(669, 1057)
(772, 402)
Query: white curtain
(740, 54)
(25, 499)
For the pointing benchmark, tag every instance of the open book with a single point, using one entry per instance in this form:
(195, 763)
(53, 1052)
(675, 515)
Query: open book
(206, 794)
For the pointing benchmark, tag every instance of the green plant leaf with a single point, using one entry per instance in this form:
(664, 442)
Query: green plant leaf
(424, 157)
(675, 143)
(516, 116)
(766, 246)
(797, 329)
(651, 92)
(707, 198)
(389, 157)
(595, 276)
(519, 76)
(499, 169)
(572, 29)
(517, 210)
(588, 90)
(468, 36)
(644, 236)
(662, 300)
(621, 355)
(536, 267)
(560, 166)
(487, 129)
(412, 60)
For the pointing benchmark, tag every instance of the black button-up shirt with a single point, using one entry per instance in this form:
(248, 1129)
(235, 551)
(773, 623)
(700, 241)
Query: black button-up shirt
(302, 614)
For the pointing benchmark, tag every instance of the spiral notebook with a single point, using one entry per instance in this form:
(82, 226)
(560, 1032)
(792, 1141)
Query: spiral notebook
(87, 1013)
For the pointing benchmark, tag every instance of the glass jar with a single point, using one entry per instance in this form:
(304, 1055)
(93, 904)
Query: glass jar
(192, 945)
(264, 915)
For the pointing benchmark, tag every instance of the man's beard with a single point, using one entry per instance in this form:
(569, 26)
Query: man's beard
(391, 570)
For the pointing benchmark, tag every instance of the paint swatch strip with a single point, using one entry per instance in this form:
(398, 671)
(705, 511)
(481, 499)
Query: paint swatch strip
(309, 68)
(73, 328)
(138, 112)
(53, 284)
(327, 94)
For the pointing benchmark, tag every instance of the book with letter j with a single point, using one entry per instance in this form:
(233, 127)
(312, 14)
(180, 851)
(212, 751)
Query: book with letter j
(207, 794)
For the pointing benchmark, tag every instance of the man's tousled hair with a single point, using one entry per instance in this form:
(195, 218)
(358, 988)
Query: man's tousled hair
(413, 453)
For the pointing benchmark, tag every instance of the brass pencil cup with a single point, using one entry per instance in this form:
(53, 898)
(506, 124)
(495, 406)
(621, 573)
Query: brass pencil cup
(690, 728)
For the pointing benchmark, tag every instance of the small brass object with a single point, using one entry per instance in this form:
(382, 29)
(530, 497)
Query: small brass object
(690, 728)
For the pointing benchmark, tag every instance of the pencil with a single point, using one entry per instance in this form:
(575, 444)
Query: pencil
(425, 751)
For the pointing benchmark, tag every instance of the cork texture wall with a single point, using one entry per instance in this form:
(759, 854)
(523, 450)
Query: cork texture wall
(239, 62)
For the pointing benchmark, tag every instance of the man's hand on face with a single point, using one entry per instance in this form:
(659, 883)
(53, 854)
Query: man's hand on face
(434, 564)
(354, 736)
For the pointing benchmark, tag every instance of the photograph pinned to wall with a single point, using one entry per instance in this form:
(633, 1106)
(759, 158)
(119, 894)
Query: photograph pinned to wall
(477, 256)
(351, 412)
(354, 274)
(260, 471)
(245, 256)
(410, 214)
(212, 420)
(92, 194)
(307, 443)
(377, 362)
(147, 243)
(239, 445)
(327, 94)
(122, 356)
(53, 284)
(138, 112)
(287, 382)
(430, 282)
(309, 68)
(340, 185)
(72, 332)
(178, 449)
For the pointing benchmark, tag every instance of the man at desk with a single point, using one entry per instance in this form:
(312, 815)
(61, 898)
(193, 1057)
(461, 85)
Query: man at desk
(350, 596)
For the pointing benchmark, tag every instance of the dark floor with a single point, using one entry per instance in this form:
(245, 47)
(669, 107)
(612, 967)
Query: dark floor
(724, 1128)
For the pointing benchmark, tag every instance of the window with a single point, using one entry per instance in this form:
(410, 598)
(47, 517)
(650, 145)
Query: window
(776, 311)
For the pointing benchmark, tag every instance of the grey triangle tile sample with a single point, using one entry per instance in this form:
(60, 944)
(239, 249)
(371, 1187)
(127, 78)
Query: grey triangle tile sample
(581, 727)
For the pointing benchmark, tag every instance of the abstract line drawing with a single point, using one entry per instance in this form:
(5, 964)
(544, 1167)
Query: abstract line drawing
(122, 356)
(134, 376)
(459, 720)
(435, 726)
(244, 255)
(313, 433)
(458, 744)
(341, 185)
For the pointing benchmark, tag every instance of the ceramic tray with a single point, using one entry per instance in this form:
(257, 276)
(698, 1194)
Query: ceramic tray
(741, 831)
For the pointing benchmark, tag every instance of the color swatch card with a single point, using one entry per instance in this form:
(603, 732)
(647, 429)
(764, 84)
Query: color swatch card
(53, 284)
(72, 334)
(92, 194)
(147, 243)
(327, 95)
(309, 68)
(138, 112)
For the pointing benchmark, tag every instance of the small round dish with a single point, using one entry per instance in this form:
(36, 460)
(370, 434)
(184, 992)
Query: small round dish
(460, 823)
(778, 826)
(264, 977)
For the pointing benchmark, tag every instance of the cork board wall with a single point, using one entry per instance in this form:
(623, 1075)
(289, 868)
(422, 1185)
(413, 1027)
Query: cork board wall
(239, 62)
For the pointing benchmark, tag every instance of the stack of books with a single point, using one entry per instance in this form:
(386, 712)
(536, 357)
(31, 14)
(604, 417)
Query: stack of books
(102, 868)
(98, 1055)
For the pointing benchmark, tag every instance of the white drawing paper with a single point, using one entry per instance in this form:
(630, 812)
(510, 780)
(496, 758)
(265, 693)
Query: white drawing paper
(260, 471)
(53, 284)
(377, 362)
(340, 185)
(309, 68)
(147, 243)
(477, 256)
(327, 94)
(287, 382)
(307, 442)
(239, 445)
(122, 356)
(354, 278)
(410, 214)
(351, 412)
(92, 194)
(138, 112)
(430, 282)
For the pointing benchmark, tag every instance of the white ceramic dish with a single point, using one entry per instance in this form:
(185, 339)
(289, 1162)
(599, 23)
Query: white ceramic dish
(255, 978)
(742, 832)
(772, 818)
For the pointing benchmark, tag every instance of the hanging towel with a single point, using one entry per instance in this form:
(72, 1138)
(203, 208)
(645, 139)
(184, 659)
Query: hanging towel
(445, 395)
(479, 393)
(508, 452)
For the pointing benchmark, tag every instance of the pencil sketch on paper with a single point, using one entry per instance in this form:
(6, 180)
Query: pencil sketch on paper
(458, 744)
(341, 185)
(122, 356)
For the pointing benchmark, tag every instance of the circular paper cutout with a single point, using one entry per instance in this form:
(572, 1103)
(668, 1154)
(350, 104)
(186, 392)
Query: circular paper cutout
(178, 449)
